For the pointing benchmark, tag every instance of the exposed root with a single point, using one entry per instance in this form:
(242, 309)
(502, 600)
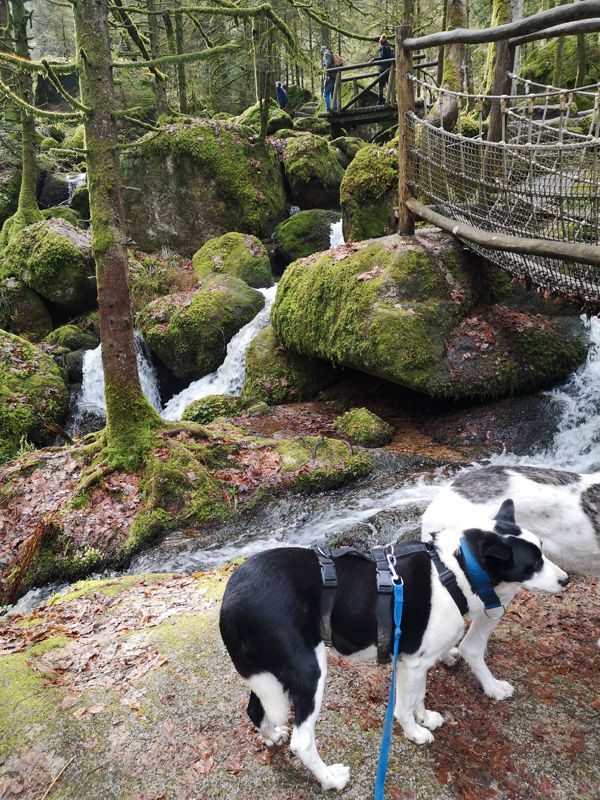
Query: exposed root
(93, 476)
(317, 444)
(193, 429)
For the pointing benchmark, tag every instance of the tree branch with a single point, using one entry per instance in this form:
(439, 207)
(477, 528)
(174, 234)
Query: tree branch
(200, 55)
(54, 80)
(33, 110)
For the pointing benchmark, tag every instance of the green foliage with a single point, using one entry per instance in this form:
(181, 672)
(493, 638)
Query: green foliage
(238, 254)
(360, 426)
(207, 409)
(540, 62)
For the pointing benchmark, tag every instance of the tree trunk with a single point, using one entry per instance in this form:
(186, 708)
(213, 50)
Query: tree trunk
(181, 77)
(27, 210)
(501, 13)
(160, 90)
(130, 419)
(445, 111)
(581, 60)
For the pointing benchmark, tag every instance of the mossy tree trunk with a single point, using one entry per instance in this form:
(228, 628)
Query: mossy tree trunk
(445, 112)
(501, 13)
(160, 89)
(130, 419)
(27, 211)
(181, 76)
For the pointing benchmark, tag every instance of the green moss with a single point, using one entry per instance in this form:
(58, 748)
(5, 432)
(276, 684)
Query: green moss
(368, 193)
(361, 426)
(347, 148)
(303, 234)
(540, 62)
(72, 337)
(278, 119)
(75, 140)
(32, 392)
(189, 331)
(315, 125)
(22, 311)
(109, 587)
(212, 407)
(238, 254)
(313, 172)
(61, 212)
(10, 184)
(47, 143)
(151, 278)
(46, 257)
(274, 375)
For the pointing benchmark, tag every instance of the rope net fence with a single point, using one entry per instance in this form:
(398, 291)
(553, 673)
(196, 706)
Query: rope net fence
(542, 180)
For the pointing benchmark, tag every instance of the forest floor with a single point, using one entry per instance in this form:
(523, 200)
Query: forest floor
(122, 689)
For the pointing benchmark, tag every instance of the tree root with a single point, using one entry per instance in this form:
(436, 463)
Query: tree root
(92, 476)
(193, 429)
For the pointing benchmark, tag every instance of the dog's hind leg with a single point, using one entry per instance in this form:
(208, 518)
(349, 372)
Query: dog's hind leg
(410, 696)
(472, 649)
(268, 708)
(307, 696)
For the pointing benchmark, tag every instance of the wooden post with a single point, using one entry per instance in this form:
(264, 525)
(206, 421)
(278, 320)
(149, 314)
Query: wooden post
(505, 59)
(391, 87)
(337, 91)
(406, 102)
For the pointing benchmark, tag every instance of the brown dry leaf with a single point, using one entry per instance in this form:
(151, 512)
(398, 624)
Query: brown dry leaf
(366, 276)
(79, 713)
(204, 764)
(96, 708)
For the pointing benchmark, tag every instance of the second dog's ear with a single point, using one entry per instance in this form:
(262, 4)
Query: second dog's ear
(496, 549)
(505, 519)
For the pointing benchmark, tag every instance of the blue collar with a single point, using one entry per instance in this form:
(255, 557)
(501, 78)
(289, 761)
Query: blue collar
(479, 577)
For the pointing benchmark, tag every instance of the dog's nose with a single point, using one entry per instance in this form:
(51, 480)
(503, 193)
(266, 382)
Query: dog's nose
(564, 581)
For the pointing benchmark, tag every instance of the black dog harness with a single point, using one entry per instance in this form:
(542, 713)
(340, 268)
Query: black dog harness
(385, 587)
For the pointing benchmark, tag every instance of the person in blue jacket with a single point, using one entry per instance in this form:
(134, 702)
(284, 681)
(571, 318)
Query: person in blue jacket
(328, 78)
(385, 52)
(282, 97)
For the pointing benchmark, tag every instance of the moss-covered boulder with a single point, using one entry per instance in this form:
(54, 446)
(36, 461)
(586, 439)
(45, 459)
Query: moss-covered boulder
(10, 184)
(278, 118)
(312, 171)
(368, 193)
(199, 180)
(275, 375)
(347, 147)
(360, 426)
(542, 64)
(404, 310)
(238, 254)
(80, 202)
(189, 331)
(33, 395)
(72, 338)
(55, 259)
(61, 212)
(298, 96)
(303, 234)
(315, 125)
(152, 276)
(207, 409)
(22, 311)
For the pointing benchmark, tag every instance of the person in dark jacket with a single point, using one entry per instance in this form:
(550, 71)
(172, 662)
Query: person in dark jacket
(385, 52)
(328, 78)
(282, 97)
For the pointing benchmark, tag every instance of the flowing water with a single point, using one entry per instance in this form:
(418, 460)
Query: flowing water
(229, 378)
(336, 234)
(74, 180)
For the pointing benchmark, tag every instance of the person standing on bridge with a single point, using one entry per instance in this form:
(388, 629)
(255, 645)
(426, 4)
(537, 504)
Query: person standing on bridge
(328, 78)
(282, 97)
(385, 53)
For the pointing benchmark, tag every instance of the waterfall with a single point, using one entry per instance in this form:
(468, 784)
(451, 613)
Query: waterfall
(91, 395)
(229, 378)
(73, 181)
(336, 234)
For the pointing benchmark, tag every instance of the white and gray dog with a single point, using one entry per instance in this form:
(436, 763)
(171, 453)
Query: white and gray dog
(562, 508)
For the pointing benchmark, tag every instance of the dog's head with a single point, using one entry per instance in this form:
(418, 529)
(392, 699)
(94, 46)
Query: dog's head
(510, 554)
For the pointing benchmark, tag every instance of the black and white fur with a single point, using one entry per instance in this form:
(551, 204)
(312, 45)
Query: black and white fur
(270, 625)
(562, 508)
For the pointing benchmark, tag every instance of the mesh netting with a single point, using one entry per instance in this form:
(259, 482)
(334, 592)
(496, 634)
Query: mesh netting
(542, 181)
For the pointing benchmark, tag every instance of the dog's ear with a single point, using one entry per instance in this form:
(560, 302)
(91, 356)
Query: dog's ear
(496, 550)
(505, 520)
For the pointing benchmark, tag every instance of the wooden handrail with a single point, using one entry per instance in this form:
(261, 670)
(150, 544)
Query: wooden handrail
(547, 248)
(538, 22)
(569, 28)
(364, 64)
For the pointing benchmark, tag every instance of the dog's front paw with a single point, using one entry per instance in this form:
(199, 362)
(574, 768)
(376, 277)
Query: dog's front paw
(275, 736)
(451, 657)
(431, 720)
(499, 690)
(419, 735)
(336, 777)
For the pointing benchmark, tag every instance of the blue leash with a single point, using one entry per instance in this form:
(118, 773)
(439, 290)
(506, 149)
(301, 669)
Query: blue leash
(386, 739)
(481, 581)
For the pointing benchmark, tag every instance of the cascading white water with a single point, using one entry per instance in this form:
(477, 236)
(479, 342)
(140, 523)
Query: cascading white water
(91, 395)
(229, 378)
(73, 181)
(336, 234)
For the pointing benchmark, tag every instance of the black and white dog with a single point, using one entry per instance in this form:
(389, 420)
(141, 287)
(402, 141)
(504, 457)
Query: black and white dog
(270, 623)
(562, 508)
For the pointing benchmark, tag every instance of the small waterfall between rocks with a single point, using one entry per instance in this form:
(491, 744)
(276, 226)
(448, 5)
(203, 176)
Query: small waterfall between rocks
(74, 180)
(336, 234)
(229, 378)
(91, 396)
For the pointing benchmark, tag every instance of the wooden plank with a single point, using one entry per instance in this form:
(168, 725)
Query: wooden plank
(346, 67)
(582, 26)
(537, 22)
(406, 103)
(545, 248)
(360, 94)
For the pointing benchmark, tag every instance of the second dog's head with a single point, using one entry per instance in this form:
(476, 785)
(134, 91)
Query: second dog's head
(510, 554)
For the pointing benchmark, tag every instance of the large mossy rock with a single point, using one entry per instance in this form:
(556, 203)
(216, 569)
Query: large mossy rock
(10, 184)
(275, 375)
(238, 254)
(199, 180)
(369, 193)
(189, 331)
(278, 118)
(72, 337)
(312, 171)
(33, 395)
(347, 147)
(22, 311)
(152, 276)
(360, 426)
(54, 259)
(405, 310)
(208, 409)
(303, 234)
